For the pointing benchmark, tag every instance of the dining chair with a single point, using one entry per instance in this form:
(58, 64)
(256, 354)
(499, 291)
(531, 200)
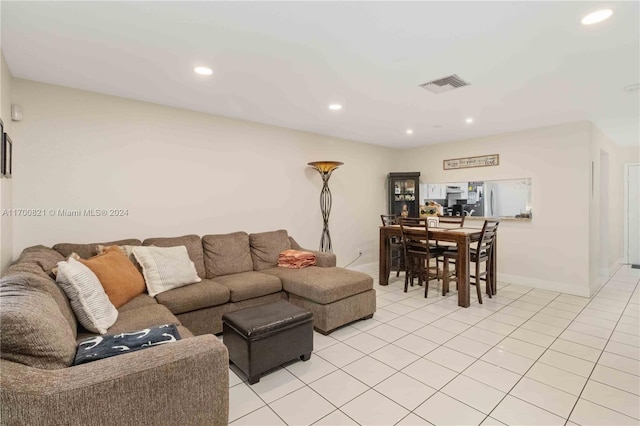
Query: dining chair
(482, 253)
(417, 252)
(396, 252)
(448, 222)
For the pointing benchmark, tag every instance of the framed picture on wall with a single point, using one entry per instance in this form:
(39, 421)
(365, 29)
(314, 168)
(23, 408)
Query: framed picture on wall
(7, 155)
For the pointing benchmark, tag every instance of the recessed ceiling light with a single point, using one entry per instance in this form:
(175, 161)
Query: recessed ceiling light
(203, 70)
(469, 120)
(409, 131)
(335, 107)
(632, 87)
(597, 16)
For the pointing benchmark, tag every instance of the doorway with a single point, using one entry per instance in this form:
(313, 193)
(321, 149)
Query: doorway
(632, 213)
(604, 214)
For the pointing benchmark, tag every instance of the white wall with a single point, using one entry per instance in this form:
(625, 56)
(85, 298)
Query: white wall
(618, 156)
(552, 250)
(181, 172)
(6, 185)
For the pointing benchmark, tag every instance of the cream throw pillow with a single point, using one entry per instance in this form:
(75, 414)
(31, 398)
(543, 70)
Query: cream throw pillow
(165, 268)
(87, 297)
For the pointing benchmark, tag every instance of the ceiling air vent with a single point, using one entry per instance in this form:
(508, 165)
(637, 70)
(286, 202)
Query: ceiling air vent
(444, 84)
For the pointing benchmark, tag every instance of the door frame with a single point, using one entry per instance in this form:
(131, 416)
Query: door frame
(626, 210)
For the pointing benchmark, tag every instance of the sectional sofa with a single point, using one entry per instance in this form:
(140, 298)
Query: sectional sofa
(181, 383)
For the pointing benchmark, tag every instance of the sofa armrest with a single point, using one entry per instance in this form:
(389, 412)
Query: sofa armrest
(324, 260)
(186, 382)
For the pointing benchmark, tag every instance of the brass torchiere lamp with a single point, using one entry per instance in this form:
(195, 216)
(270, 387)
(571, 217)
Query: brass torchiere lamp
(325, 168)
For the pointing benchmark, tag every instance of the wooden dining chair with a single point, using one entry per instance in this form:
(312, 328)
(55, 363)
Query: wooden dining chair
(482, 253)
(447, 222)
(396, 252)
(417, 252)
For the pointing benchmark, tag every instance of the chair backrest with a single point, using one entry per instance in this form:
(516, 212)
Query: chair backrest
(414, 232)
(488, 235)
(452, 221)
(389, 219)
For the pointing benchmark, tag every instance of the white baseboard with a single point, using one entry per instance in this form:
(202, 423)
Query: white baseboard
(544, 284)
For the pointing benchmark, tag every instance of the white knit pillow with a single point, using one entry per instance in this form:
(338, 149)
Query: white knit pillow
(88, 300)
(165, 268)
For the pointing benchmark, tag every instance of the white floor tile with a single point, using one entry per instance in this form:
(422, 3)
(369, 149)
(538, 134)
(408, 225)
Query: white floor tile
(483, 336)
(234, 379)
(387, 332)
(468, 346)
(622, 363)
(369, 370)
(337, 418)
(533, 337)
(478, 395)
(581, 351)
(594, 313)
(345, 333)
(430, 373)
(413, 420)
(554, 312)
(365, 343)
(449, 324)
(496, 326)
(612, 398)
(450, 358)
(545, 396)
(416, 344)
(400, 309)
(510, 361)
(622, 349)
(522, 313)
(414, 302)
(628, 328)
(565, 306)
(405, 323)
(508, 319)
(423, 316)
(626, 338)
(394, 297)
(520, 347)
(339, 387)
(276, 384)
(261, 417)
(525, 305)
(514, 411)
(405, 390)
(434, 334)
(584, 339)
(394, 356)
(383, 315)
(551, 320)
(567, 362)
(543, 328)
(441, 409)
(372, 408)
(242, 401)
(492, 375)
(340, 354)
(311, 370)
(321, 341)
(466, 316)
(586, 319)
(301, 407)
(438, 309)
(590, 329)
(560, 379)
(490, 421)
(617, 379)
(587, 413)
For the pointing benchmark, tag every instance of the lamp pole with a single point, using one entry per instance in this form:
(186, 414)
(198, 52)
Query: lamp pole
(325, 168)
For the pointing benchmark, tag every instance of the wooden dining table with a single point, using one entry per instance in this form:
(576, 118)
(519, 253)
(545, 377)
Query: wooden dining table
(462, 237)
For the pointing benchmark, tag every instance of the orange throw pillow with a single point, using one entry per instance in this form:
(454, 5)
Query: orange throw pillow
(120, 279)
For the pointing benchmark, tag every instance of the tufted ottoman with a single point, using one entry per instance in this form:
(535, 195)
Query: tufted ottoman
(263, 337)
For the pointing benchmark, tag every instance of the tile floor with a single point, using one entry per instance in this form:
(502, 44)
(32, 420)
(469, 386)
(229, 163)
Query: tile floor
(527, 356)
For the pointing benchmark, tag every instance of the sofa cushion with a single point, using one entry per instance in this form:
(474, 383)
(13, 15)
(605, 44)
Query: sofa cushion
(266, 247)
(322, 285)
(227, 254)
(196, 296)
(34, 332)
(120, 279)
(143, 317)
(86, 251)
(193, 243)
(137, 302)
(40, 279)
(88, 300)
(248, 285)
(166, 268)
(45, 257)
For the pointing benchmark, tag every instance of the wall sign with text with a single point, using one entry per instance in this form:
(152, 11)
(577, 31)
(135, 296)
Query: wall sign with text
(463, 163)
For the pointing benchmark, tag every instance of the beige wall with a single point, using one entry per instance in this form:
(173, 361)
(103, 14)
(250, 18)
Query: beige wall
(181, 172)
(6, 185)
(551, 251)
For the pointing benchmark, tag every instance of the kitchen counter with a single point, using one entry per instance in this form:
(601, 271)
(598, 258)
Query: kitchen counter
(510, 219)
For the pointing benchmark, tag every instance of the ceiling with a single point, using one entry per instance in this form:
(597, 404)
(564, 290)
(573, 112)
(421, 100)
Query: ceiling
(530, 64)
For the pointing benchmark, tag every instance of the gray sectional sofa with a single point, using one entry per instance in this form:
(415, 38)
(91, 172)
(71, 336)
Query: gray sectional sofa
(182, 383)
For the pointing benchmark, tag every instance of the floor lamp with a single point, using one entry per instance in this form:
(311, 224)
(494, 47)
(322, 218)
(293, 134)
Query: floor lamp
(325, 168)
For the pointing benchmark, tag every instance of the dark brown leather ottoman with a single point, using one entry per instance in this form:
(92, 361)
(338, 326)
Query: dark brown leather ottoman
(263, 337)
